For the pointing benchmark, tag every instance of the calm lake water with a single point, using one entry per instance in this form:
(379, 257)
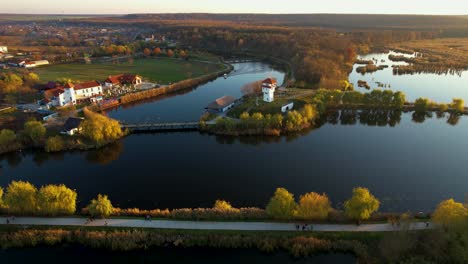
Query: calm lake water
(407, 164)
(439, 88)
(80, 255)
(190, 104)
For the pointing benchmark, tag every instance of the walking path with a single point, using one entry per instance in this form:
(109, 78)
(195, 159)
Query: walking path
(204, 225)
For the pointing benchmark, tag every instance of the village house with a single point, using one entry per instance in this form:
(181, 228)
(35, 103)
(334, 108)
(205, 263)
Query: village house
(71, 94)
(122, 80)
(72, 126)
(221, 105)
(268, 89)
(3, 49)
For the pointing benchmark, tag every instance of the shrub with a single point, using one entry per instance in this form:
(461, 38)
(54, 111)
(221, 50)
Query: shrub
(100, 207)
(54, 144)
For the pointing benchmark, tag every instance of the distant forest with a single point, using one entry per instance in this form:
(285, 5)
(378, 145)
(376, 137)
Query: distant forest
(318, 49)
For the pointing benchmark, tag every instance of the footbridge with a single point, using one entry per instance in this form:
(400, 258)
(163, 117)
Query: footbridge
(155, 127)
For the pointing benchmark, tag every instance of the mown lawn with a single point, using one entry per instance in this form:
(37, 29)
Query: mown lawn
(161, 70)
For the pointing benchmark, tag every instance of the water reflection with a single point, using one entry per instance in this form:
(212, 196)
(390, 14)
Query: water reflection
(383, 118)
(105, 155)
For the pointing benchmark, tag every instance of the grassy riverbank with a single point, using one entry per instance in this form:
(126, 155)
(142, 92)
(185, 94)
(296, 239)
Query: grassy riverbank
(373, 247)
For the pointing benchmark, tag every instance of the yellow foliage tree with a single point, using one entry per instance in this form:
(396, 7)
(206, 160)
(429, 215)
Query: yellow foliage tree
(222, 205)
(54, 144)
(361, 205)
(313, 206)
(99, 128)
(281, 205)
(56, 200)
(21, 198)
(100, 207)
(450, 214)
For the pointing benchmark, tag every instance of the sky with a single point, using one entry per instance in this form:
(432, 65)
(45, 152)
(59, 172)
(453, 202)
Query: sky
(442, 7)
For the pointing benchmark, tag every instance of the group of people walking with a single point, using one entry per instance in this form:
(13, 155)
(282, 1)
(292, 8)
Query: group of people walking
(304, 227)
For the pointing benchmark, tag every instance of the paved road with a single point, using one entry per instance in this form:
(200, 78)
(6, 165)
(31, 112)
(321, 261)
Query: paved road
(203, 225)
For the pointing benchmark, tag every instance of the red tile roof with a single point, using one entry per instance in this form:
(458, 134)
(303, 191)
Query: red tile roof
(86, 85)
(269, 81)
(122, 79)
(54, 92)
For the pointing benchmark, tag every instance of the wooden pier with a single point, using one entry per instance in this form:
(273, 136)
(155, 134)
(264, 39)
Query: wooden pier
(156, 127)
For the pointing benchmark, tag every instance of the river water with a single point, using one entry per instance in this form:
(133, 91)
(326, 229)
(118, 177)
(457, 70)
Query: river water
(407, 164)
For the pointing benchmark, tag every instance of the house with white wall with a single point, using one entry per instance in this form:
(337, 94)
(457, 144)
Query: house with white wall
(71, 94)
(268, 89)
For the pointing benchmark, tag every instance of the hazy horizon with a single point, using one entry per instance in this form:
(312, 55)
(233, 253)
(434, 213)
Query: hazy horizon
(120, 7)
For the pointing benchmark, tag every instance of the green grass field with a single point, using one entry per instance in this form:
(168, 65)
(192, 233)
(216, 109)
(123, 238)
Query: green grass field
(161, 70)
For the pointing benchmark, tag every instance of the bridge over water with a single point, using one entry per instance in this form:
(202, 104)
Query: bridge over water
(155, 127)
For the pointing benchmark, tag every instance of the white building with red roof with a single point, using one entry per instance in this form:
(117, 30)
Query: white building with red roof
(71, 94)
(268, 89)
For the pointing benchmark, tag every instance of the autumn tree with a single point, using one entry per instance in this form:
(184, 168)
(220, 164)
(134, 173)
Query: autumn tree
(99, 128)
(11, 82)
(309, 113)
(21, 198)
(56, 200)
(421, 105)
(398, 100)
(170, 53)
(294, 121)
(157, 51)
(54, 144)
(100, 207)
(281, 205)
(361, 205)
(313, 206)
(458, 105)
(450, 214)
(1, 198)
(147, 52)
(34, 131)
(252, 88)
(222, 205)
(183, 54)
(31, 78)
(7, 137)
